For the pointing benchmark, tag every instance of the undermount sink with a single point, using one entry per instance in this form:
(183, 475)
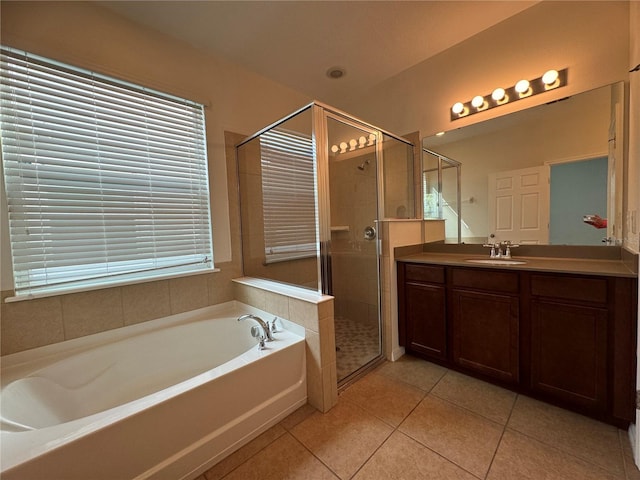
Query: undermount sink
(496, 261)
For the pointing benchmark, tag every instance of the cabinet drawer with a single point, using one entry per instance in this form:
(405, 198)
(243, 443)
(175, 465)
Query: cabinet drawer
(493, 280)
(423, 273)
(570, 288)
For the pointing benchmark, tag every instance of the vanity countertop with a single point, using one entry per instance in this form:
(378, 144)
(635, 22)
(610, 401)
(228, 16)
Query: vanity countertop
(583, 266)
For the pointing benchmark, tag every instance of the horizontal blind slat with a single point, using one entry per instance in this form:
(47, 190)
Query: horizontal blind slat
(103, 178)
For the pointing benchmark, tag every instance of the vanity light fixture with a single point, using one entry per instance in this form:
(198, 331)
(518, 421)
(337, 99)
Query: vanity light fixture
(354, 144)
(524, 88)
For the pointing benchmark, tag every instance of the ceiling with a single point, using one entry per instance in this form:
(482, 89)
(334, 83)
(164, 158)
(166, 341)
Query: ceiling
(296, 42)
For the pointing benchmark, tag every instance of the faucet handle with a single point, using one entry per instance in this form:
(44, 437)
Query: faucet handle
(274, 327)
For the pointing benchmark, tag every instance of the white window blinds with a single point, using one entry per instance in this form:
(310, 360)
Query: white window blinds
(288, 190)
(105, 182)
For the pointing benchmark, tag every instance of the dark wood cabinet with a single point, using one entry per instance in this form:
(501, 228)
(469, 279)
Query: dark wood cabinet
(425, 311)
(485, 333)
(568, 339)
(569, 353)
(426, 315)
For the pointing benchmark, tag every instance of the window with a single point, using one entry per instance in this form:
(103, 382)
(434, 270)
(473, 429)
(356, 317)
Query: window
(106, 182)
(288, 190)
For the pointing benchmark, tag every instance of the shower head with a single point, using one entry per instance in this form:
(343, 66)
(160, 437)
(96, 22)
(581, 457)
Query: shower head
(363, 164)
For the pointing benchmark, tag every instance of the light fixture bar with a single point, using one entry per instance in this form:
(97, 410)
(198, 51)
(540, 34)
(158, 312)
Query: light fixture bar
(551, 80)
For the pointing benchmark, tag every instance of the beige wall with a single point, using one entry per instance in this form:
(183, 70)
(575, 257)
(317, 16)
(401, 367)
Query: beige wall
(591, 39)
(633, 173)
(89, 36)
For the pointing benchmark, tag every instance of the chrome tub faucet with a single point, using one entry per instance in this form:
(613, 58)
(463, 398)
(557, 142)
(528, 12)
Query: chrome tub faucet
(266, 331)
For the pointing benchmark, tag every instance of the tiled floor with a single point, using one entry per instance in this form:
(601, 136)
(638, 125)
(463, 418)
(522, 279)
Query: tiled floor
(415, 420)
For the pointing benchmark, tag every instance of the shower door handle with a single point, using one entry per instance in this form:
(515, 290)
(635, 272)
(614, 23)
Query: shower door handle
(369, 233)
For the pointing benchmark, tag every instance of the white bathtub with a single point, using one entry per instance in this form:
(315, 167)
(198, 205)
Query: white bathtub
(162, 399)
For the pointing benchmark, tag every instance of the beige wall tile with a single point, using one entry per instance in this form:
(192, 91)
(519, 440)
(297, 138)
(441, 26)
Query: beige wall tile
(92, 312)
(329, 386)
(327, 338)
(325, 309)
(31, 323)
(314, 353)
(304, 313)
(145, 301)
(188, 293)
(314, 385)
(255, 297)
(277, 304)
(219, 284)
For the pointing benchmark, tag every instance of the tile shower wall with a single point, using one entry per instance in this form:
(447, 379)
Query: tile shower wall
(314, 312)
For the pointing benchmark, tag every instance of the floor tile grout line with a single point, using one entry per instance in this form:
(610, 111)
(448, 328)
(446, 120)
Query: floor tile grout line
(396, 429)
(411, 384)
(315, 456)
(373, 453)
(504, 429)
(560, 449)
(624, 460)
(453, 404)
(285, 431)
(439, 454)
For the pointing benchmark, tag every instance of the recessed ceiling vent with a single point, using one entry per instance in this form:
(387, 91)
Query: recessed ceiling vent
(336, 72)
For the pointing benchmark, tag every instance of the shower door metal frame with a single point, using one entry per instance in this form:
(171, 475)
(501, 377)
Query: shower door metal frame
(322, 114)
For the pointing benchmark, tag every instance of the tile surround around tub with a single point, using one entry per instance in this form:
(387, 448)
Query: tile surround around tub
(27, 324)
(92, 312)
(31, 324)
(310, 310)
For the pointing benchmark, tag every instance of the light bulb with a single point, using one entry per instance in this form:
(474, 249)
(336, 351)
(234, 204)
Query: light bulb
(335, 148)
(353, 143)
(343, 147)
(522, 86)
(362, 141)
(477, 101)
(498, 94)
(550, 77)
(457, 108)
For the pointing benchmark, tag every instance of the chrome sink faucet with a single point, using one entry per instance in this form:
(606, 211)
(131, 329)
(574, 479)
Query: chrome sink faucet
(266, 331)
(496, 249)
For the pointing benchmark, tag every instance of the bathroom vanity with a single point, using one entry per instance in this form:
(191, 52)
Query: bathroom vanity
(556, 328)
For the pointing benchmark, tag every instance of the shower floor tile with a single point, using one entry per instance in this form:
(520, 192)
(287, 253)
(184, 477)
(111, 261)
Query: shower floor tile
(356, 345)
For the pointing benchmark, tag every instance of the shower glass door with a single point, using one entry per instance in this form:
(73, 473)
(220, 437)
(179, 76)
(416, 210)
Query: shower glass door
(353, 151)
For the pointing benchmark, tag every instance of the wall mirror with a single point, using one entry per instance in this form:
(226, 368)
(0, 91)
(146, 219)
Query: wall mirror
(533, 176)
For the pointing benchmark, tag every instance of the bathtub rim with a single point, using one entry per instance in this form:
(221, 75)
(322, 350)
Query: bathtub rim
(34, 358)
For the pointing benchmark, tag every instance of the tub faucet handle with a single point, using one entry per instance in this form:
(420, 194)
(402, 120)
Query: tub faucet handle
(256, 333)
(274, 327)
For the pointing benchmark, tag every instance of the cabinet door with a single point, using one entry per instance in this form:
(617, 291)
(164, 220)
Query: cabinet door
(485, 333)
(569, 353)
(426, 319)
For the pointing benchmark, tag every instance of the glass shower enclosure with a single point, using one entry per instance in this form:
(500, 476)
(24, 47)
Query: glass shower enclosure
(313, 188)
